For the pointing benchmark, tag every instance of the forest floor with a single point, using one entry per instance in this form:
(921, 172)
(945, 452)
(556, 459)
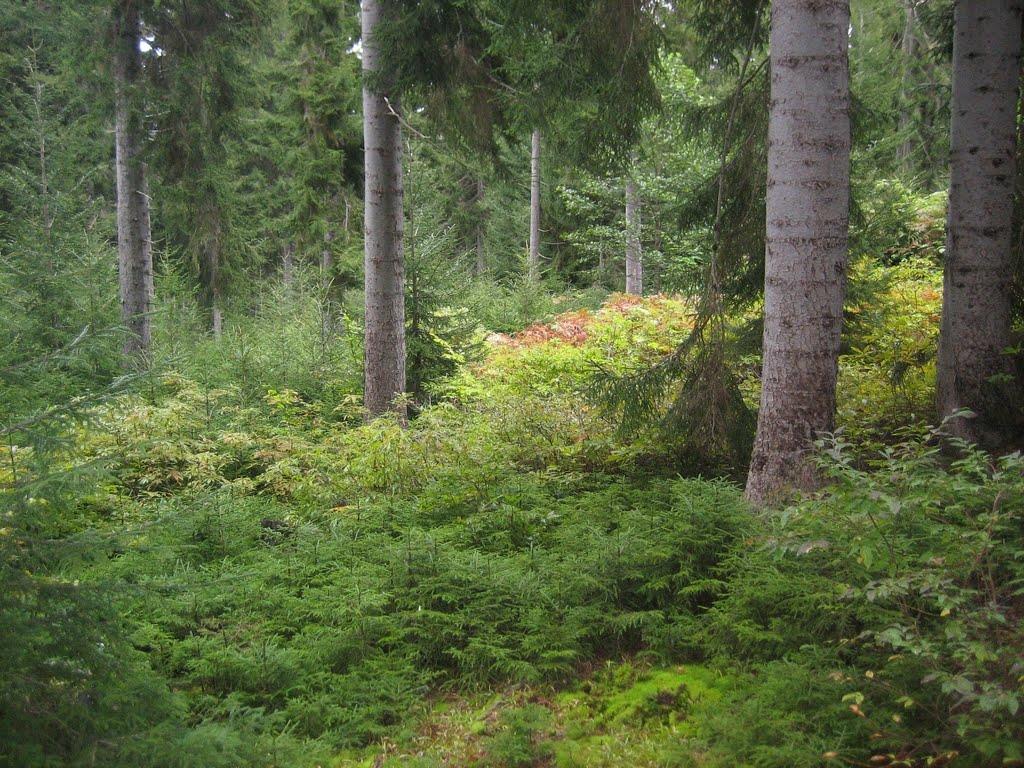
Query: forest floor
(513, 580)
(621, 713)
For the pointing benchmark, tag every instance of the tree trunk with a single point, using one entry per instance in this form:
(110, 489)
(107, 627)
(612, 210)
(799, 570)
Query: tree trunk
(146, 236)
(909, 50)
(134, 252)
(288, 265)
(481, 255)
(976, 301)
(210, 273)
(384, 341)
(806, 240)
(326, 284)
(533, 265)
(634, 255)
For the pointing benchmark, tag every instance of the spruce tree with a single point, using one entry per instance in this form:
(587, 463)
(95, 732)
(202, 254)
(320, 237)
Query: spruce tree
(975, 371)
(806, 243)
(384, 337)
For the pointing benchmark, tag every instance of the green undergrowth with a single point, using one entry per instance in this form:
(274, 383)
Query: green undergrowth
(335, 624)
(509, 581)
(621, 713)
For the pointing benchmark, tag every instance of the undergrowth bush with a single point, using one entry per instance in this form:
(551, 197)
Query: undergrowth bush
(337, 622)
(887, 370)
(519, 742)
(902, 587)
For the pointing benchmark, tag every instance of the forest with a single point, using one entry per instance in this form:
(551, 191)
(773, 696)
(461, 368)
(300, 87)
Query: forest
(511, 383)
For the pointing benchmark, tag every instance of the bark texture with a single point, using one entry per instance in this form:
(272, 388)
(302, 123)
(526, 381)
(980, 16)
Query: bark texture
(384, 340)
(806, 240)
(634, 254)
(134, 251)
(908, 46)
(976, 301)
(533, 265)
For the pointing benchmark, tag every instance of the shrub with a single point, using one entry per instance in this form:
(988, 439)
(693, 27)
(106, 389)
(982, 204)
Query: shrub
(907, 574)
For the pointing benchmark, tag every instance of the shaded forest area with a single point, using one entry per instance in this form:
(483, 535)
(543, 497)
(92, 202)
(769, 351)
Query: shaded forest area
(511, 383)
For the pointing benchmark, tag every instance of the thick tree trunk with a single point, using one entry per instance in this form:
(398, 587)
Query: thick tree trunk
(976, 302)
(384, 341)
(134, 251)
(909, 50)
(634, 255)
(481, 255)
(806, 240)
(533, 265)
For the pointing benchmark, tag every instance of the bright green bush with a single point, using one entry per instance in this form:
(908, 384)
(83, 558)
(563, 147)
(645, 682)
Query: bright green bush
(887, 373)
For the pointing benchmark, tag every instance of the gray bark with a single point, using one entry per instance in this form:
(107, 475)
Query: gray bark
(134, 252)
(976, 302)
(533, 265)
(806, 240)
(384, 340)
(634, 254)
(909, 50)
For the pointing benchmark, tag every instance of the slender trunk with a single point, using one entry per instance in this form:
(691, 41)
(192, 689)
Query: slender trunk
(146, 237)
(211, 268)
(288, 265)
(533, 265)
(481, 255)
(384, 341)
(326, 282)
(327, 261)
(976, 302)
(634, 255)
(806, 240)
(909, 50)
(44, 180)
(134, 255)
(39, 123)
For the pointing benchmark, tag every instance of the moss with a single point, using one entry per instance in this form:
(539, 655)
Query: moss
(663, 697)
(624, 714)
